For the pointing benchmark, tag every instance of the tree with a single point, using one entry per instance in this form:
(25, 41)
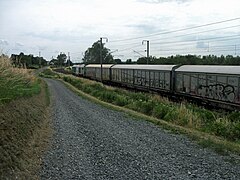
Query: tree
(142, 60)
(129, 61)
(61, 59)
(27, 61)
(117, 61)
(69, 63)
(92, 54)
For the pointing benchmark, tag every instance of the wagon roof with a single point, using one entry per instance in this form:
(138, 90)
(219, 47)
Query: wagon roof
(79, 65)
(144, 67)
(210, 69)
(99, 65)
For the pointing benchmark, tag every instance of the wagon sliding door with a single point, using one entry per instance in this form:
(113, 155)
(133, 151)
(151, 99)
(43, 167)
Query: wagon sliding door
(231, 90)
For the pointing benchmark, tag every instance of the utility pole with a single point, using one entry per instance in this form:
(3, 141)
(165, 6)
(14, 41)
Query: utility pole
(83, 58)
(147, 48)
(101, 47)
(68, 58)
(39, 58)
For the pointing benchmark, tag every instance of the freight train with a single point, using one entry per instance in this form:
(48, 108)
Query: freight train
(218, 86)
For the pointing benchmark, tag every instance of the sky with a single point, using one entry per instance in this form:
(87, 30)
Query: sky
(49, 27)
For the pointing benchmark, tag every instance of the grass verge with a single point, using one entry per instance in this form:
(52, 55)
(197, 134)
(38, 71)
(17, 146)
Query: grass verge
(24, 122)
(24, 134)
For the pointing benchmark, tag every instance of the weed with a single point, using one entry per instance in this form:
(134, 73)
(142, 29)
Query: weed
(49, 73)
(160, 110)
(108, 96)
(121, 101)
(218, 148)
(234, 116)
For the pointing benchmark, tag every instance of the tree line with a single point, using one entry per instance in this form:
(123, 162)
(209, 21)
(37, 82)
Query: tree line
(27, 61)
(192, 60)
(61, 61)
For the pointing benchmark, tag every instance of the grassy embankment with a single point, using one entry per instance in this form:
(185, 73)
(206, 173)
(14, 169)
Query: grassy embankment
(221, 131)
(23, 121)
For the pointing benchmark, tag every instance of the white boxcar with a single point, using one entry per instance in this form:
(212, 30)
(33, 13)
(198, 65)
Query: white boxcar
(93, 71)
(208, 81)
(147, 76)
(78, 70)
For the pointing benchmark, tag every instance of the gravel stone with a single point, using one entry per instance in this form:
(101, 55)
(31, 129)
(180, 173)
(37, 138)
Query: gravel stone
(93, 142)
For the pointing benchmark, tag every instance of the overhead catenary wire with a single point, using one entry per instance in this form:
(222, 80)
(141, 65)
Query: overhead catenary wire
(190, 42)
(205, 39)
(199, 51)
(199, 32)
(207, 47)
(177, 36)
(178, 30)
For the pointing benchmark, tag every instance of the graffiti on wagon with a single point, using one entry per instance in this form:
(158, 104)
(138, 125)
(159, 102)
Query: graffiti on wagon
(218, 91)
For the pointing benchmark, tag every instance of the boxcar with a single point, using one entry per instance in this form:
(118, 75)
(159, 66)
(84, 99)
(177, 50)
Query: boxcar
(218, 83)
(93, 71)
(78, 70)
(154, 77)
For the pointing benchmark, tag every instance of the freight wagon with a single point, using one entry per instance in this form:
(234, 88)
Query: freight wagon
(215, 85)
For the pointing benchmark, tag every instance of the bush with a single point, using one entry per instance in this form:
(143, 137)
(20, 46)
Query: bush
(98, 86)
(234, 116)
(160, 110)
(206, 115)
(121, 101)
(86, 89)
(138, 96)
(171, 115)
(108, 96)
(49, 73)
(146, 107)
(235, 134)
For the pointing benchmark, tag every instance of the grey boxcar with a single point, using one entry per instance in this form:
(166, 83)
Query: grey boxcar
(211, 82)
(93, 71)
(156, 77)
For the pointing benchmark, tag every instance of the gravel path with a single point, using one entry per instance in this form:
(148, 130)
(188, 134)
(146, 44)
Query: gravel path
(92, 142)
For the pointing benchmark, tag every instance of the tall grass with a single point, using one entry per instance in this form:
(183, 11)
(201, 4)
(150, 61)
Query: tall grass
(48, 73)
(15, 82)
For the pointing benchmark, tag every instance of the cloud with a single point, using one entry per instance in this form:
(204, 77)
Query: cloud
(144, 28)
(201, 45)
(3, 42)
(163, 1)
(73, 25)
(42, 48)
(17, 44)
